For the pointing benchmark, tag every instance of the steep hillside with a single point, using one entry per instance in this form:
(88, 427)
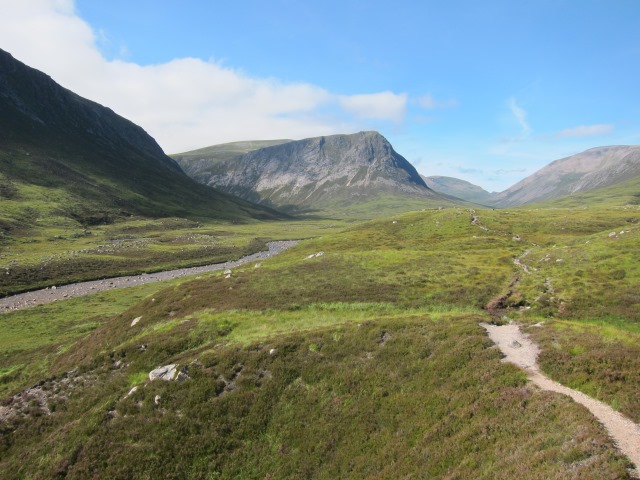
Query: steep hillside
(63, 156)
(590, 170)
(327, 173)
(458, 188)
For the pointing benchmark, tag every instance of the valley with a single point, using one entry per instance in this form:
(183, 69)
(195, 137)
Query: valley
(417, 292)
(354, 348)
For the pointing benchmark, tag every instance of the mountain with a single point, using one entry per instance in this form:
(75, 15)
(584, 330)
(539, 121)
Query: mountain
(63, 156)
(198, 164)
(332, 172)
(458, 188)
(593, 169)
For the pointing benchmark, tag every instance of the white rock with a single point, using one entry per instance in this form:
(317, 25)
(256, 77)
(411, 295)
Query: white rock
(228, 271)
(135, 321)
(272, 351)
(166, 373)
(156, 400)
(131, 392)
(612, 234)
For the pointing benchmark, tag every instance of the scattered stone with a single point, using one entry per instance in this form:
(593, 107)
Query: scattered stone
(228, 272)
(516, 238)
(257, 265)
(384, 338)
(273, 351)
(515, 344)
(394, 222)
(131, 392)
(612, 234)
(156, 399)
(54, 287)
(142, 347)
(559, 260)
(135, 321)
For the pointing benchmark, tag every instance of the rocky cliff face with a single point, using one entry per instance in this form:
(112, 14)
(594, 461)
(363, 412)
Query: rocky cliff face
(595, 168)
(316, 172)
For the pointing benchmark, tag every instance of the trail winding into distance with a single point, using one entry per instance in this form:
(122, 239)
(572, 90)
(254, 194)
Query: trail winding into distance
(48, 295)
(521, 351)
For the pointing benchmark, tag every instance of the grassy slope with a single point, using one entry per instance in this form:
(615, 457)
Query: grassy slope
(380, 369)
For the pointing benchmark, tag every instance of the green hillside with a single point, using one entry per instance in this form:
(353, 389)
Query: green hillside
(364, 362)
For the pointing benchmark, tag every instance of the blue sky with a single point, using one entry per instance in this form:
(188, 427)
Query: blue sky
(487, 91)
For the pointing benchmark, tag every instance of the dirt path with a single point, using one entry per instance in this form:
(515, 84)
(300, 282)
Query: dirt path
(520, 350)
(52, 294)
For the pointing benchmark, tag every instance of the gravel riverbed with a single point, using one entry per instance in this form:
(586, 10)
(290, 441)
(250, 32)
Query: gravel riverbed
(53, 293)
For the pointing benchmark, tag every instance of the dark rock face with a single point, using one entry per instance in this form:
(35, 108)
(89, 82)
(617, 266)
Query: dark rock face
(34, 108)
(316, 171)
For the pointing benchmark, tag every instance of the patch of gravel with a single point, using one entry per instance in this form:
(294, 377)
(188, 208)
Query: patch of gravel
(521, 351)
(52, 294)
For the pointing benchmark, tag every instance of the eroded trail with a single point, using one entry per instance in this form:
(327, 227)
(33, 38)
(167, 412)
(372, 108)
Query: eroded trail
(521, 351)
(48, 295)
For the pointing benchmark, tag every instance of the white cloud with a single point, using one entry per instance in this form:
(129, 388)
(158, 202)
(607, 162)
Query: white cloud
(380, 106)
(185, 103)
(430, 103)
(521, 117)
(586, 131)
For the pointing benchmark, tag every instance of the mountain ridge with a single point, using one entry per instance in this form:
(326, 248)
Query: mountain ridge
(328, 171)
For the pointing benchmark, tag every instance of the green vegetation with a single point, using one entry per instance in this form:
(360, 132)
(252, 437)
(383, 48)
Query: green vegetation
(363, 362)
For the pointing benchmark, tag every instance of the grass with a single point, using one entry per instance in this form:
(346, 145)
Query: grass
(364, 362)
(332, 403)
(54, 256)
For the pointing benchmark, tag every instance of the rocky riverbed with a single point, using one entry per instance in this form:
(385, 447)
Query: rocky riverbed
(54, 293)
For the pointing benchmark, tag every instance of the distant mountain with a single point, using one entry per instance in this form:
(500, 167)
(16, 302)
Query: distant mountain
(332, 172)
(63, 156)
(593, 169)
(459, 189)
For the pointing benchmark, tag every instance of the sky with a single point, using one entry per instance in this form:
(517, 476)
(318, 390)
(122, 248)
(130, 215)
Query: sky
(488, 91)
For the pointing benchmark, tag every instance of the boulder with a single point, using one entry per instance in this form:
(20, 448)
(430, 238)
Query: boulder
(168, 372)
